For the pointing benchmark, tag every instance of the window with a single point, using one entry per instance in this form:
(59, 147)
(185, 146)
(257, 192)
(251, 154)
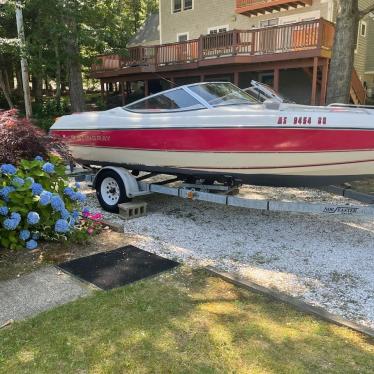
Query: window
(183, 37)
(363, 29)
(172, 100)
(269, 22)
(218, 29)
(177, 6)
(187, 4)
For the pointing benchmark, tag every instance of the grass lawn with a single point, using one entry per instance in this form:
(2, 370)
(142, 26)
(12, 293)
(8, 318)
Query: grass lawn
(184, 321)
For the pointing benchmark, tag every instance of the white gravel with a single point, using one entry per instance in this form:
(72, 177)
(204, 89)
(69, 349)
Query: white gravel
(326, 261)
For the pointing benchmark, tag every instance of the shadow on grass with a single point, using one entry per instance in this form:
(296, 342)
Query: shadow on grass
(182, 321)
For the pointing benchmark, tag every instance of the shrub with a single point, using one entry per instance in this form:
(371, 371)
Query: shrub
(19, 139)
(46, 112)
(37, 202)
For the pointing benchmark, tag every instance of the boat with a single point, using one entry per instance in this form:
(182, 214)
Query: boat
(216, 131)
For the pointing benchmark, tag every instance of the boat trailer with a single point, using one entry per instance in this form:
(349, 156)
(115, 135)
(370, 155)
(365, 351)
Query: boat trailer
(221, 194)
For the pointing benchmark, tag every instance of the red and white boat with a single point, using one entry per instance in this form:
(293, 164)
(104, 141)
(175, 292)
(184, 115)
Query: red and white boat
(217, 131)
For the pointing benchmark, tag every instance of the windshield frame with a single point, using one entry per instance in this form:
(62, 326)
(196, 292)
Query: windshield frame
(205, 104)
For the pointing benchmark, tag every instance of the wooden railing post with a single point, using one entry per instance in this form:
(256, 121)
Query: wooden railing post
(200, 55)
(321, 30)
(156, 53)
(235, 37)
(253, 42)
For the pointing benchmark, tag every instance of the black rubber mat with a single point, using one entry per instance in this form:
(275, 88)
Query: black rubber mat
(117, 268)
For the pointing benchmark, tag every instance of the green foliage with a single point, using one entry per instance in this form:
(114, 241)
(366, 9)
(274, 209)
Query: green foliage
(23, 200)
(45, 113)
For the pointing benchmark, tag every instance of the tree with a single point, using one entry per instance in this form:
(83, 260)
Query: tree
(63, 38)
(341, 66)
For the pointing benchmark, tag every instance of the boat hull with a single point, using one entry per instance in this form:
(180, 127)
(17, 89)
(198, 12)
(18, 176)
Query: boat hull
(263, 155)
(274, 169)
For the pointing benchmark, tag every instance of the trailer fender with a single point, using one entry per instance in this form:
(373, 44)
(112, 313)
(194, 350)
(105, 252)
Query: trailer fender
(130, 182)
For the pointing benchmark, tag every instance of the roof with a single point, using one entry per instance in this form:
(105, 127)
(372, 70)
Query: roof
(148, 32)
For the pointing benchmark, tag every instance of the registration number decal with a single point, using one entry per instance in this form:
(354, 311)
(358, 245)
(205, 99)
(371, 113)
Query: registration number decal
(302, 120)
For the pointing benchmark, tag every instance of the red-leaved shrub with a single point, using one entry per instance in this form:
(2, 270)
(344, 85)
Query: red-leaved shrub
(20, 139)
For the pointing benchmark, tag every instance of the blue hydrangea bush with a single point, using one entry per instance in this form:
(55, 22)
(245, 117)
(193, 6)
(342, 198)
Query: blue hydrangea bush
(36, 202)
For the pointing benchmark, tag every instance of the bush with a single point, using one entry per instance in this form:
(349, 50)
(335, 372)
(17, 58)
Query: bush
(37, 202)
(45, 113)
(19, 139)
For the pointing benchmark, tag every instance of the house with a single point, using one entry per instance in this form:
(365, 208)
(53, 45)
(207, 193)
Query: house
(284, 43)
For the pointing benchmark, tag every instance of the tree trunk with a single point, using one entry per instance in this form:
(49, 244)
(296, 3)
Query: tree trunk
(341, 66)
(37, 88)
(58, 75)
(5, 91)
(19, 82)
(74, 70)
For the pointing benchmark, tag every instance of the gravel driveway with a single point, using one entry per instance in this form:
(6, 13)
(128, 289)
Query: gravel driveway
(324, 260)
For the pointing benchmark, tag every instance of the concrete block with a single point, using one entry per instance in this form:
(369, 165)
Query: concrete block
(132, 210)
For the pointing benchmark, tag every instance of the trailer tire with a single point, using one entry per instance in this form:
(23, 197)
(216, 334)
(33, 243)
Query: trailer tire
(110, 190)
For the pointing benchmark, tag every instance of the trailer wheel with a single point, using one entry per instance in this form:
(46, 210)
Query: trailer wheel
(110, 190)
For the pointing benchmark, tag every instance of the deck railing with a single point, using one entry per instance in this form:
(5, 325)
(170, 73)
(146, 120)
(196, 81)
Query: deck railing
(293, 37)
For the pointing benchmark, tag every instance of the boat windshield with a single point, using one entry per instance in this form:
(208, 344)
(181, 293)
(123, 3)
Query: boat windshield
(219, 94)
(192, 97)
(174, 100)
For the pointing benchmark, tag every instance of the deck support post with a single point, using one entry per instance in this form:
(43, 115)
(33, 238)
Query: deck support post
(314, 81)
(122, 91)
(236, 78)
(102, 89)
(276, 80)
(325, 73)
(146, 87)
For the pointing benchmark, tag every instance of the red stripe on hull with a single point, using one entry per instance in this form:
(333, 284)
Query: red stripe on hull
(224, 139)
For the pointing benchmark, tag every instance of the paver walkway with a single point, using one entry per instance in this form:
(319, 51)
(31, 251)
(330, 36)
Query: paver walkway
(36, 292)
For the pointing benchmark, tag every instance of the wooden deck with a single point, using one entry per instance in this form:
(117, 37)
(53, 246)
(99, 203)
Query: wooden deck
(280, 43)
(256, 7)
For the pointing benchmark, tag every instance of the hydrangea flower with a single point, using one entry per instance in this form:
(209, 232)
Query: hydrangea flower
(10, 224)
(17, 181)
(8, 169)
(24, 234)
(5, 191)
(33, 218)
(68, 191)
(75, 214)
(16, 216)
(62, 226)
(36, 188)
(48, 168)
(85, 211)
(45, 198)
(80, 197)
(65, 214)
(4, 210)
(57, 203)
(31, 244)
(78, 185)
(38, 158)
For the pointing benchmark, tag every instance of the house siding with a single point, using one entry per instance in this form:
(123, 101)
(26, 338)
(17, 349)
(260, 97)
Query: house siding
(362, 48)
(211, 13)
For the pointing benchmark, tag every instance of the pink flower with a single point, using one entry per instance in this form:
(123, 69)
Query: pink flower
(96, 217)
(90, 231)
